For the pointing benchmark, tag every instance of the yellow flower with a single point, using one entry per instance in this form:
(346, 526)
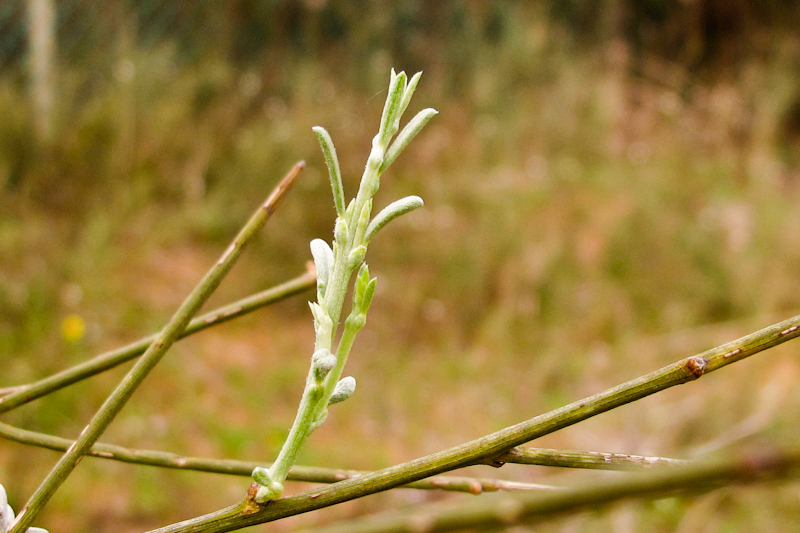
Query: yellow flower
(72, 328)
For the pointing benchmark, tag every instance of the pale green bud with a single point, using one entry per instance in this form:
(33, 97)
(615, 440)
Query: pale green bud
(363, 221)
(364, 291)
(323, 362)
(343, 390)
(356, 321)
(340, 230)
(356, 256)
(267, 493)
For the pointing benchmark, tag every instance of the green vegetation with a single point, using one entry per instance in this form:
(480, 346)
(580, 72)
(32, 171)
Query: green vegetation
(335, 265)
(585, 223)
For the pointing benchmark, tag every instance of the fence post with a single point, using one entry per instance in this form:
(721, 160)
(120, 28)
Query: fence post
(42, 51)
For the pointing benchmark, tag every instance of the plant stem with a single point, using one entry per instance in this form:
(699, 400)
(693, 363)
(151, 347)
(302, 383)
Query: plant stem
(309, 474)
(582, 459)
(486, 448)
(509, 510)
(119, 397)
(25, 393)
(350, 246)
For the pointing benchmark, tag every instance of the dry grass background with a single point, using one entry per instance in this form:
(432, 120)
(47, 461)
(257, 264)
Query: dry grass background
(582, 226)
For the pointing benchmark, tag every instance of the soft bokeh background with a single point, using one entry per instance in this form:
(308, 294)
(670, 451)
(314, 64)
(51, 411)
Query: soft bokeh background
(610, 186)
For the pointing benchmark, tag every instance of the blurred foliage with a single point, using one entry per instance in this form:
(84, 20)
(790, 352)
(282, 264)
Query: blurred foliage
(609, 186)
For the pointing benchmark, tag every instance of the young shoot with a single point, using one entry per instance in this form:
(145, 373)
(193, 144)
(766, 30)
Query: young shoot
(335, 265)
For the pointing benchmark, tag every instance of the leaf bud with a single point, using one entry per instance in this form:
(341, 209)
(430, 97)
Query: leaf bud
(356, 256)
(323, 362)
(340, 229)
(343, 390)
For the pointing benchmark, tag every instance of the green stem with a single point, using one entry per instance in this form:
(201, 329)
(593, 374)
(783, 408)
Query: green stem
(350, 245)
(503, 512)
(299, 433)
(484, 449)
(108, 360)
(308, 474)
(311, 410)
(582, 459)
(119, 397)
(351, 329)
(312, 405)
(336, 291)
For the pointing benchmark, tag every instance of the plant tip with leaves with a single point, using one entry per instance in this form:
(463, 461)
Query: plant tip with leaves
(335, 265)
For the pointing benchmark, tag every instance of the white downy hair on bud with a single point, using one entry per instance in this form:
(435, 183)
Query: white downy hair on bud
(343, 390)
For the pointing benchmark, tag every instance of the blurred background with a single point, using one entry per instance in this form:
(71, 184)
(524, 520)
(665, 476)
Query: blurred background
(610, 186)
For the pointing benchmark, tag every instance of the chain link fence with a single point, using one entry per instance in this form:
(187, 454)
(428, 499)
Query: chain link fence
(104, 70)
(43, 41)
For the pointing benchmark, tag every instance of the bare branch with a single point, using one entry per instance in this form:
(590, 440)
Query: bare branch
(120, 396)
(581, 459)
(487, 448)
(22, 394)
(508, 510)
(309, 474)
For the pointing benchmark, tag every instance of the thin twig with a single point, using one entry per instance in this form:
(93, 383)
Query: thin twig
(310, 474)
(491, 446)
(119, 397)
(23, 394)
(510, 510)
(582, 459)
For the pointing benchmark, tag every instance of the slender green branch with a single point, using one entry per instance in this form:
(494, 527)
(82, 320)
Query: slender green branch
(312, 474)
(25, 393)
(309, 474)
(509, 510)
(119, 397)
(581, 459)
(485, 449)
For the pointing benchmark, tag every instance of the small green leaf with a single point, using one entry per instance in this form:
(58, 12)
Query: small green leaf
(364, 291)
(397, 87)
(407, 94)
(368, 294)
(391, 212)
(363, 221)
(321, 319)
(261, 475)
(409, 132)
(362, 278)
(334, 172)
(323, 263)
